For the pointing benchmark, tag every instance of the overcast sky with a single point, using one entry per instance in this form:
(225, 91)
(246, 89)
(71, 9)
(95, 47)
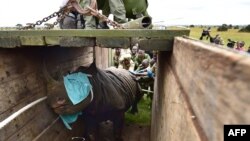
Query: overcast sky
(167, 12)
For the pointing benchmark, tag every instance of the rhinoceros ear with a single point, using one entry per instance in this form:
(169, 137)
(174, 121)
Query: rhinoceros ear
(50, 81)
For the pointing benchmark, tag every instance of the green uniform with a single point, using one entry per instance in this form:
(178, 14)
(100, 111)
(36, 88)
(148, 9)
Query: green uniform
(115, 7)
(116, 60)
(138, 60)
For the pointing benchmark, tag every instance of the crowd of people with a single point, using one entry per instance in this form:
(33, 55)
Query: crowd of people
(237, 45)
(140, 63)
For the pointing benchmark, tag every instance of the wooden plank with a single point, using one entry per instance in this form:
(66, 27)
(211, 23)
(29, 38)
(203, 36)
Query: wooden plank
(21, 81)
(17, 90)
(156, 44)
(10, 42)
(58, 132)
(83, 38)
(113, 42)
(150, 33)
(12, 108)
(52, 40)
(216, 81)
(77, 42)
(65, 60)
(28, 124)
(21, 72)
(102, 57)
(171, 118)
(105, 61)
(32, 41)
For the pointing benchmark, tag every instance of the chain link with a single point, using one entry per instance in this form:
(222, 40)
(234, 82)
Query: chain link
(60, 14)
(104, 18)
(65, 11)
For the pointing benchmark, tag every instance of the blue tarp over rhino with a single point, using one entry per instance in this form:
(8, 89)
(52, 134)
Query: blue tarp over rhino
(114, 92)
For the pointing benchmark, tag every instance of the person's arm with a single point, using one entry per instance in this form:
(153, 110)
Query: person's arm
(117, 8)
(120, 66)
(132, 66)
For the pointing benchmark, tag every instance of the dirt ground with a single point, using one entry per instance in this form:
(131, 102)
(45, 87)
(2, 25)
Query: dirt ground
(134, 132)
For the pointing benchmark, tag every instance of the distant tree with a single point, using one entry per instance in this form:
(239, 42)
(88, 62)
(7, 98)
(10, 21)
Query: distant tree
(230, 26)
(191, 25)
(245, 29)
(248, 28)
(236, 27)
(223, 27)
(19, 26)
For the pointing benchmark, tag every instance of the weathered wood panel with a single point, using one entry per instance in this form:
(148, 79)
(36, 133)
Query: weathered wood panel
(102, 55)
(52, 40)
(10, 42)
(217, 83)
(156, 44)
(21, 80)
(204, 87)
(171, 117)
(89, 38)
(59, 61)
(32, 41)
(24, 76)
(147, 33)
(77, 42)
(113, 42)
(28, 124)
(57, 132)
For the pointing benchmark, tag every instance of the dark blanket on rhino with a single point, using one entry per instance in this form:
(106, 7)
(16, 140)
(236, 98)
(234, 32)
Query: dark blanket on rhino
(114, 92)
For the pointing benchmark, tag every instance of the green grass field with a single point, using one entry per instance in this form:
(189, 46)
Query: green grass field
(230, 34)
(144, 115)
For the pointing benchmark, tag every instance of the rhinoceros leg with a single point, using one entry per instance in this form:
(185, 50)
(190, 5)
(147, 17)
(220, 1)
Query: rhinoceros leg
(138, 97)
(106, 131)
(91, 126)
(118, 126)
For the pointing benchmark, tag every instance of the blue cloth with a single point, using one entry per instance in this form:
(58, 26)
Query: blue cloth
(77, 86)
(150, 73)
(67, 119)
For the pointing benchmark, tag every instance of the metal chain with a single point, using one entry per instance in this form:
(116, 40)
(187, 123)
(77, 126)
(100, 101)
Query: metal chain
(60, 14)
(91, 10)
(104, 18)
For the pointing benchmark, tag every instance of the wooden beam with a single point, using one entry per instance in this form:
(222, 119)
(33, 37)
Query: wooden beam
(52, 40)
(150, 33)
(77, 42)
(152, 39)
(10, 42)
(32, 41)
(216, 82)
(156, 44)
(113, 42)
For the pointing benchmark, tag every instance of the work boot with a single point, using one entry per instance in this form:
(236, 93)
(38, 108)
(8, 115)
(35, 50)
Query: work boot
(69, 22)
(103, 25)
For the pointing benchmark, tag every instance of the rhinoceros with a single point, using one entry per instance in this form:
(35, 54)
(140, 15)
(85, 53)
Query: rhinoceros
(114, 92)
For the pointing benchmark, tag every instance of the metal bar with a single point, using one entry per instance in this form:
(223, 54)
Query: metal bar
(16, 114)
(144, 90)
